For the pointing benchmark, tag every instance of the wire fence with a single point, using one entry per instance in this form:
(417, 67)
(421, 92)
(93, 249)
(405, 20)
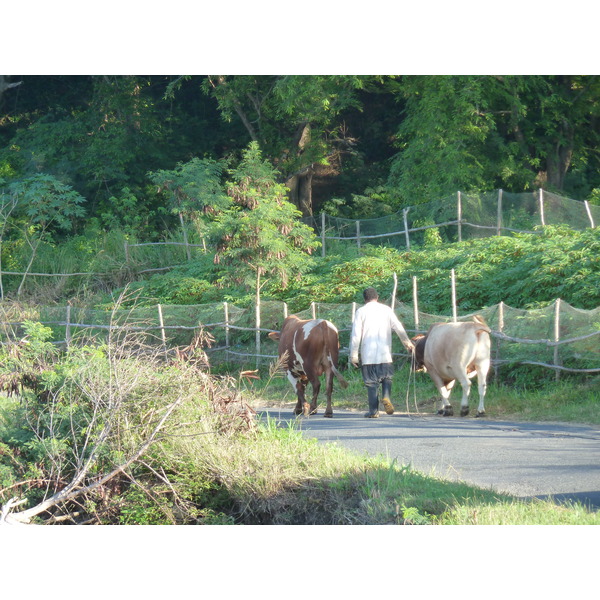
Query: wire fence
(456, 218)
(558, 337)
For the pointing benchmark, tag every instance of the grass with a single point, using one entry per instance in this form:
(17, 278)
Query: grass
(282, 478)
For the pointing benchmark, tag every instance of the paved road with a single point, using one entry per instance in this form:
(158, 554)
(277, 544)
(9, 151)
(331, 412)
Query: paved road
(523, 459)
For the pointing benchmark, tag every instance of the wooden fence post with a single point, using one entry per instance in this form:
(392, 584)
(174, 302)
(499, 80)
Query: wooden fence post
(226, 312)
(459, 214)
(394, 291)
(415, 304)
(162, 328)
(313, 308)
(499, 221)
(126, 252)
(589, 213)
(358, 234)
(453, 283)
(501, 330)
(257, 335)
(556, 335)
(68, 329)
(285, 310)
(406, 236)
(323, 234)
(542, 218)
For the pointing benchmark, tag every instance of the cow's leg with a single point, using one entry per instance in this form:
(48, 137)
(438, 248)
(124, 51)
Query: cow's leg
(466, 388)
(482, 370)
(299, 387)
(316, 386)
(302, 405)
(329, 392)
(444, 389)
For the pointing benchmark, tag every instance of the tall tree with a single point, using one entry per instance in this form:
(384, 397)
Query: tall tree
(261, 234)
(296, 121)
(46, 204)
(553, 122)
(482, 132)
(193, 190)
(443, 137)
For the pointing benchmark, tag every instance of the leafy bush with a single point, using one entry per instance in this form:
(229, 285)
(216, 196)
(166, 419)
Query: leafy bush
(524, 271)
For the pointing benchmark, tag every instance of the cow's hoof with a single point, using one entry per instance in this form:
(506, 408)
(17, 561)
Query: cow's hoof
(480, 413)
(464, 411)
(328, 415)
(447, 411)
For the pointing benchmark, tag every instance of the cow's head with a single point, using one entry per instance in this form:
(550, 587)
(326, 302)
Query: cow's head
(275, 335)
(417, 362)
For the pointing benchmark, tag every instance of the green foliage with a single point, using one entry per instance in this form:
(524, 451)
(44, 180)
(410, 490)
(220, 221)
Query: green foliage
(46, 201)
(261, 232)
(380, 200)
(193, 187)
(524, 271)
(447, 118)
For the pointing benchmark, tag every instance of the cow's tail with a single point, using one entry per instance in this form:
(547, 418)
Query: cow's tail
(334, 368)
(339, 376)
(483, 326)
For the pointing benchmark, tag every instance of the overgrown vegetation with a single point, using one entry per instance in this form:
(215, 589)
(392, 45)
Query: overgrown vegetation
(524, 271)
(115, 433)
(121, 431)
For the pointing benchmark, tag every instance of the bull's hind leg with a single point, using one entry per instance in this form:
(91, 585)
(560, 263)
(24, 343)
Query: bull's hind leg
(444, 389)
(299, 387)
(482, 371)
(466, 388)
(329, 392)
(316, 386)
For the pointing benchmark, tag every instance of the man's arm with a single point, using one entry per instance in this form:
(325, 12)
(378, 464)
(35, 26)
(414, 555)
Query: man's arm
(398, 328)
(355, 339)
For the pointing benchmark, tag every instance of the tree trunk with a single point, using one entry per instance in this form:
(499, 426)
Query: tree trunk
(558, 162)
(300, 185)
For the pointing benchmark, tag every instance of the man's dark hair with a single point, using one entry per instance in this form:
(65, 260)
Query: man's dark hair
(370, 294)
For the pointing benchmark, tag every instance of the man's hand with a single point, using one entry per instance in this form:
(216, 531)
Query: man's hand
(354, 362)
(410, 347)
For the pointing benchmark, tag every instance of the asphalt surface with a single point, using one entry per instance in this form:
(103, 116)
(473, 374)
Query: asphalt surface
(544, 460)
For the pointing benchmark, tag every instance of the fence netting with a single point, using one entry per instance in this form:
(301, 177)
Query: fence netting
(557, 336)
(458, 217)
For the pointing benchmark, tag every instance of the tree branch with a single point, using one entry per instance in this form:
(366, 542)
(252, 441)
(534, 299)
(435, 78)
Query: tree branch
(72, 490)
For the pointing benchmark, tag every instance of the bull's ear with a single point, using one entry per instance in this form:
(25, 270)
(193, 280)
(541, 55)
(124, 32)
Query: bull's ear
(274, 335)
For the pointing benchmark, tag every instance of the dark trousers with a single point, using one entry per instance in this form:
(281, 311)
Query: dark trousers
(373, 376)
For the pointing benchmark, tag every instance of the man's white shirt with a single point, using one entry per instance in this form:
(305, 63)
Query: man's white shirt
(372, 334)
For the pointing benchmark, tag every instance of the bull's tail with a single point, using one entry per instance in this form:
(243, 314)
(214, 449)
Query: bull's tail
(328, 349)
(339, 376)
(483, 326)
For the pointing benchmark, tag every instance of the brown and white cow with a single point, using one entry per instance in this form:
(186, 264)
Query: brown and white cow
(309, 348)
(455, 351)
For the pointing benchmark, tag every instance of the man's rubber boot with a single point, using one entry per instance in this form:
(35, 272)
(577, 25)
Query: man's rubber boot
(386, 387)
(373, 402)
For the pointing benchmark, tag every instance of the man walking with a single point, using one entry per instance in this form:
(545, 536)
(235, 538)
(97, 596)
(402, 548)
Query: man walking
(372, 336)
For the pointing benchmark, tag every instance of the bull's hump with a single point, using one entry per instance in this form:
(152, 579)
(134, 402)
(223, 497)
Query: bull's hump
(309, 326)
